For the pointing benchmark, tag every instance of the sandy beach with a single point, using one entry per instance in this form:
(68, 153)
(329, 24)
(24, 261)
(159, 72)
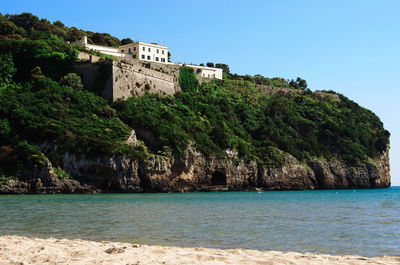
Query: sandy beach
(23, 250)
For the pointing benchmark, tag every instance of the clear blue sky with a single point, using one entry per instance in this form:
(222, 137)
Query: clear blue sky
(352, 47)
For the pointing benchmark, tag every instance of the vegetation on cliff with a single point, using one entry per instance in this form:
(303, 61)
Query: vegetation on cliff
(231, 114)
(42, 104)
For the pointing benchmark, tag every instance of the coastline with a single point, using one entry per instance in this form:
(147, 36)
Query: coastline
(24, 250)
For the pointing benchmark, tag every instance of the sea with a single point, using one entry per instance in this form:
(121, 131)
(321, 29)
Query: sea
(336, 222)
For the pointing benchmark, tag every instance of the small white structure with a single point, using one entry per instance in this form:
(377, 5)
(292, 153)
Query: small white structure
(103, 49)
(208, 72)
(146, 51)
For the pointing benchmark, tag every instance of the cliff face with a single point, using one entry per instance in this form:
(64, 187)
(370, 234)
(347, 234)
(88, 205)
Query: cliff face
(336, 175)
(42, 180)
(195, 172)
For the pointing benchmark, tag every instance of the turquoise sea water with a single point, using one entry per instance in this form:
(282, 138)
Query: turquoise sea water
(357, 222)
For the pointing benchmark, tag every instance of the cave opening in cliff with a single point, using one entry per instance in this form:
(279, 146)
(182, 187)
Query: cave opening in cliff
(218, 178)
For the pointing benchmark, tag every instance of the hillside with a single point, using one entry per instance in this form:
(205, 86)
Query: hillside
(225, 134)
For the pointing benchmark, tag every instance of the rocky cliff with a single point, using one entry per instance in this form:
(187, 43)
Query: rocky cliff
(196, 172)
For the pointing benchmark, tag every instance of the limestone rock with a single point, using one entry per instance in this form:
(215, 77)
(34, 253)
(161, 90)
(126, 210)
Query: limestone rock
(132, 140)
(291, 176)
(42, 179)
(336, 175)
(196, 172)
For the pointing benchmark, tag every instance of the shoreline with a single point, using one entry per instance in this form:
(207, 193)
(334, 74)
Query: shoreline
(25, 250)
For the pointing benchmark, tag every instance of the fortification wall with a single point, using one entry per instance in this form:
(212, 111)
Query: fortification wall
(131, 79)
(173, 70)
(170, 69)
(164, 68)
(123, 79)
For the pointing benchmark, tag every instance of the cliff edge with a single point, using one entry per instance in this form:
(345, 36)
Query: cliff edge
(195, 172)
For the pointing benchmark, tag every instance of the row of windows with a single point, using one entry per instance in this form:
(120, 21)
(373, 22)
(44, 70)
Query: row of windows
(149, 58)
(149, 50)
(208, 75)
(144, 49)
(129, 50)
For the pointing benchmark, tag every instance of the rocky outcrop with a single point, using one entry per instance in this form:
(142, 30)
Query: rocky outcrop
(197, 172)
(132, 140)
(336, 175)
(115, 173)
(42, 180)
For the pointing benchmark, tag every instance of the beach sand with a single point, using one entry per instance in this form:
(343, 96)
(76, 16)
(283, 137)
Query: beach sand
(23, 250)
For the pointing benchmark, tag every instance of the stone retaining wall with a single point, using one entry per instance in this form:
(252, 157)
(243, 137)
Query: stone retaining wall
(127, 78)
(134, 80)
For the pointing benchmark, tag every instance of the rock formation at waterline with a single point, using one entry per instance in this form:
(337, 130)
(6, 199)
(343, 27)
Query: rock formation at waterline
(196, 172)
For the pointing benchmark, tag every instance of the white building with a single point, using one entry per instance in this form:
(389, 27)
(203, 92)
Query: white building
(208, 72)
(146, 51)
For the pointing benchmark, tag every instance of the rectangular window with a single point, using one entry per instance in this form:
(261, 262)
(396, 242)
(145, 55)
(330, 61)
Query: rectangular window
(157, 59)
(148, 57)
(163, 60)
(129, 51)
(144, 49)
(134, 56)
(134, 49)
(149, 50)
(143, 57)
(158, 50)
(122, 51)
(162, 51)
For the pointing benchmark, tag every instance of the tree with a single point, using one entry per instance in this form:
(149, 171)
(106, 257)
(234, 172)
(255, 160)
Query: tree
(126, 41)
(299, 83)
(58, 23)
(224, 67)
(45, 21)
(210, 64)
(104, 39)
(7, 69)
(302, 83)
(74, 34)
(98, 39)
(25, 20)
(7, 28)
(43, 26)
(72, 80)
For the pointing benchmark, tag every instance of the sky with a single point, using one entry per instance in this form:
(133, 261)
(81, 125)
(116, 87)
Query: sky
(352, 47)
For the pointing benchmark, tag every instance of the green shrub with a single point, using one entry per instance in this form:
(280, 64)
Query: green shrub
(7, 69)
(233, 115)
(187, 79)
(72, 80)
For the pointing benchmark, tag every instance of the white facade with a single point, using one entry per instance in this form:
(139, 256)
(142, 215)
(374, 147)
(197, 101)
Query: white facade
(146, 51)
(208, 72)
